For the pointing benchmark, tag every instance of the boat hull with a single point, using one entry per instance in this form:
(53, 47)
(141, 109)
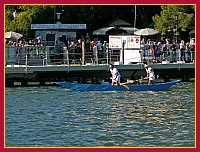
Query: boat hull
(106, 86)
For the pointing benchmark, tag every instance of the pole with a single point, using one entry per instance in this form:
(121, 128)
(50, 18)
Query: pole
(107, 44)
(135, 18)
(83, 53)
(176, 34)
(46, 54)
(123, 52)
(26, 63)
(107, 55)
(15, 16)
(15, 24)
(54, 14)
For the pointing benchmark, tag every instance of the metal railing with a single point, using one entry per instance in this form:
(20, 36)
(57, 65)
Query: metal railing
(40, 55)
(169, 54)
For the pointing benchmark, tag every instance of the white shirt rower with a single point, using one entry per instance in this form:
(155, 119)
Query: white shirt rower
(115, 75)
(150, 74)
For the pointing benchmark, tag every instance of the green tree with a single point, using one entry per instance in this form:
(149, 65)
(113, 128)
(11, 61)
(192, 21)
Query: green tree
(9, 20)
(179, 17)
(26, 15)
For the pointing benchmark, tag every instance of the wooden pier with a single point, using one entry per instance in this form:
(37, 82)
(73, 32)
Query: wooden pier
(46, 75)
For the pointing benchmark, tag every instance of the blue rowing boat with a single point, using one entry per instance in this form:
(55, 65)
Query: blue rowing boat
(106, 86)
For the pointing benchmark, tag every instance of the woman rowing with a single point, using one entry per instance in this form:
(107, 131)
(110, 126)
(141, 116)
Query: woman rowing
(115, 75)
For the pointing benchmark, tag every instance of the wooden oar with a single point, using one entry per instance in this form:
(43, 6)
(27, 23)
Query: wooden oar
(125, 86)
(132, 81)
(121, 84)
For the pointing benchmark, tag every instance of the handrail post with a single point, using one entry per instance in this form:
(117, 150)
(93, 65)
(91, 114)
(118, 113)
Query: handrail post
(67, 57)
(46, 55)
(83, 53)
(107, 55)
(26, 63)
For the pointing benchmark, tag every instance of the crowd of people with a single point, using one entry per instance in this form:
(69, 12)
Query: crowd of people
(97, 48)
(155, 50)
(169, 51)
(33, 42)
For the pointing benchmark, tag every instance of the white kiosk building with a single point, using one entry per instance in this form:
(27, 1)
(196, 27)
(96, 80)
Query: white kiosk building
(50, 33)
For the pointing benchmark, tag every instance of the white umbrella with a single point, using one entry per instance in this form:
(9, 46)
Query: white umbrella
(102, 31)
(146, 31)
(129, 30)
(13, 35)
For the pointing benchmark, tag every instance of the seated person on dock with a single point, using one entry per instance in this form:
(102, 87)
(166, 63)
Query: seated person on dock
(115, 75)
(150, 74)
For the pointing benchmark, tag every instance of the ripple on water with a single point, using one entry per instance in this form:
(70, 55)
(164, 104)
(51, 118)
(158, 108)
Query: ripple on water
(54, 116)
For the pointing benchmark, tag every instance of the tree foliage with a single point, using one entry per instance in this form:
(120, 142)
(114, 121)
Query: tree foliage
(175, 17)
(25, 17)
(95, 16)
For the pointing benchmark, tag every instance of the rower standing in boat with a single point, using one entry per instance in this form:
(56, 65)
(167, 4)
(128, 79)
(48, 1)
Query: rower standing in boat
(115, 75)
(150, 74)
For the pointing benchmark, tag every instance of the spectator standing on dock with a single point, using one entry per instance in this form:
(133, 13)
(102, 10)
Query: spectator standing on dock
(173, 51)
(149, 49)
(115, 75)
(72, 51)
(142, 46)
(142, 42)
(99, 49)
(159, 51)
(154, 51)
(182, 49)
(191, 41)
(79, 49)
(164, 51)
(192, 48)
(39, 41)
(167, 43)
(87, 49)
(93, 49)
(187, 52)
(87, 36)
(104, 49)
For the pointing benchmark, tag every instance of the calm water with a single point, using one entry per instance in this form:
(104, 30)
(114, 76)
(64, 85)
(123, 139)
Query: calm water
(55, 116)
